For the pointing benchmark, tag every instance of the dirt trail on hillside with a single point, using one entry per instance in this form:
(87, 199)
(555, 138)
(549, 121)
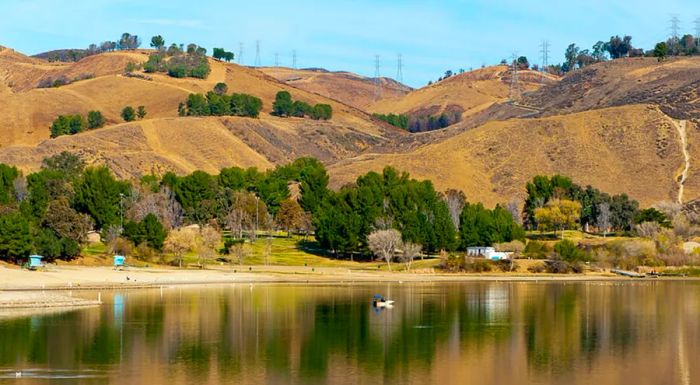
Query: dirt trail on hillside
(682, 134)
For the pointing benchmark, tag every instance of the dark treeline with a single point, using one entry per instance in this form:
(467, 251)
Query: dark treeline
(178, 61)
(74, 124)
(50, 212)
(595, 209)
(420, 123)
(218, 103)
(285, 106)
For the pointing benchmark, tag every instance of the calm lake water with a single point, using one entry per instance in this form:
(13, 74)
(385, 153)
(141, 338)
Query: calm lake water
(642, 332)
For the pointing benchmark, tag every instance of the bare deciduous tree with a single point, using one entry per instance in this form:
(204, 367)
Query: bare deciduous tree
(513, 207)
(455, 201)
(161, 204)
(670, 209)
(647, 229)
(179, 242)
(209, 240)
(383, 243)
(682, 227)
(20, 188)
(410, 252)
(603, 220)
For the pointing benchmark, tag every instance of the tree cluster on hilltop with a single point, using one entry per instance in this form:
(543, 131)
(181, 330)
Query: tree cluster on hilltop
(285, 106)
(218, 103)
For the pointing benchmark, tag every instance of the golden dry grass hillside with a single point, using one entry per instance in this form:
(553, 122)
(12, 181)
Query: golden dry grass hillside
(29, 111)
(630, 149)
(352, 89)
(673, 85)
(470, 92)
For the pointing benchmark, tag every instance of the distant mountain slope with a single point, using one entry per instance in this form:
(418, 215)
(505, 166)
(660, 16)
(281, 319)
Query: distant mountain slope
(31, 110)
(470, 92)
(631, 149)
(186, 144)
(673, 85)
(352, 89)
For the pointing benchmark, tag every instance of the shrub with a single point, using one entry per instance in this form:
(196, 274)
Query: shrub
(128, 114)
(537, 250)
(557, 267)
(516, 247)
(505, 265)
(321, 112)
(568, 251)
(68, 125)
(537, 268)
(95, 120)
(478, 265)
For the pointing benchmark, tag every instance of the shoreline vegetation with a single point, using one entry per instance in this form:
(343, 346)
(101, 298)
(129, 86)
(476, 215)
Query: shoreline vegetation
(287, 222)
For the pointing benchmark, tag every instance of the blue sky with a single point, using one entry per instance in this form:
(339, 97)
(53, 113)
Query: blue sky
(432, 36)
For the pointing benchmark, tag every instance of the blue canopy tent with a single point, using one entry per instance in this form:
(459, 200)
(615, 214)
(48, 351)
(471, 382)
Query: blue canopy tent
(119, 261)
(35, 262)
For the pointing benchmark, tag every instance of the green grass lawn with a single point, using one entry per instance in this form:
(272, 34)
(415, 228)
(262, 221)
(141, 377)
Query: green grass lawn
(283, 251)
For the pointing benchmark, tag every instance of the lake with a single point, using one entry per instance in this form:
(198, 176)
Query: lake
(646, 332)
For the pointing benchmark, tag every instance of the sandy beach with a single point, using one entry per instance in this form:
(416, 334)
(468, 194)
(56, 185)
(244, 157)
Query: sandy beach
(103, 277)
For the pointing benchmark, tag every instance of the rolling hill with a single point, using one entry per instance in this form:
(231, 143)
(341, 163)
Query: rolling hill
(349, 88)
(621, 126)
(31, 111)
(469, 92)
(632, 149)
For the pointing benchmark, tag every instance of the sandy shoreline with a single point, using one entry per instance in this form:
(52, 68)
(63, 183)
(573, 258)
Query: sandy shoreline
(83, 277)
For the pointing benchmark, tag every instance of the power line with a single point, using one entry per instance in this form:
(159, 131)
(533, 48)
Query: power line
(675, 27)
(257, 53)
(514, 87)
(544, 52)
(377, 79)
(399, 68)
(240, 53)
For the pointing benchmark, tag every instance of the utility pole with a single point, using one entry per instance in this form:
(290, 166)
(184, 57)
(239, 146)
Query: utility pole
(399, 68)
(121, 213)
(294, 59)
(514, 87)
(257, 53)
(257, 222)
(544, 52)
(240, 53)
(377, 79)
(675, 27)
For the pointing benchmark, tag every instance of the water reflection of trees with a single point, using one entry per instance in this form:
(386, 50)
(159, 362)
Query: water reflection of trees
(315, 334)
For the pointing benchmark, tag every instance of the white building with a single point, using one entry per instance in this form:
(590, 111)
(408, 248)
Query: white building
(488, 253)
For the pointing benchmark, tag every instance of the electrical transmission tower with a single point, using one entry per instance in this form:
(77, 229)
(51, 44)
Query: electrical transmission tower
(294, 59)
(675, 27)
(697, 28)
(544, 52)
(277, 59)
(514, 86)
(399, 68)
(240, 53)
(377, 79)
(257, 53)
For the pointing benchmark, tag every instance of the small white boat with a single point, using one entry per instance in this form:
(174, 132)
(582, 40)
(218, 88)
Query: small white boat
(380, 301)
